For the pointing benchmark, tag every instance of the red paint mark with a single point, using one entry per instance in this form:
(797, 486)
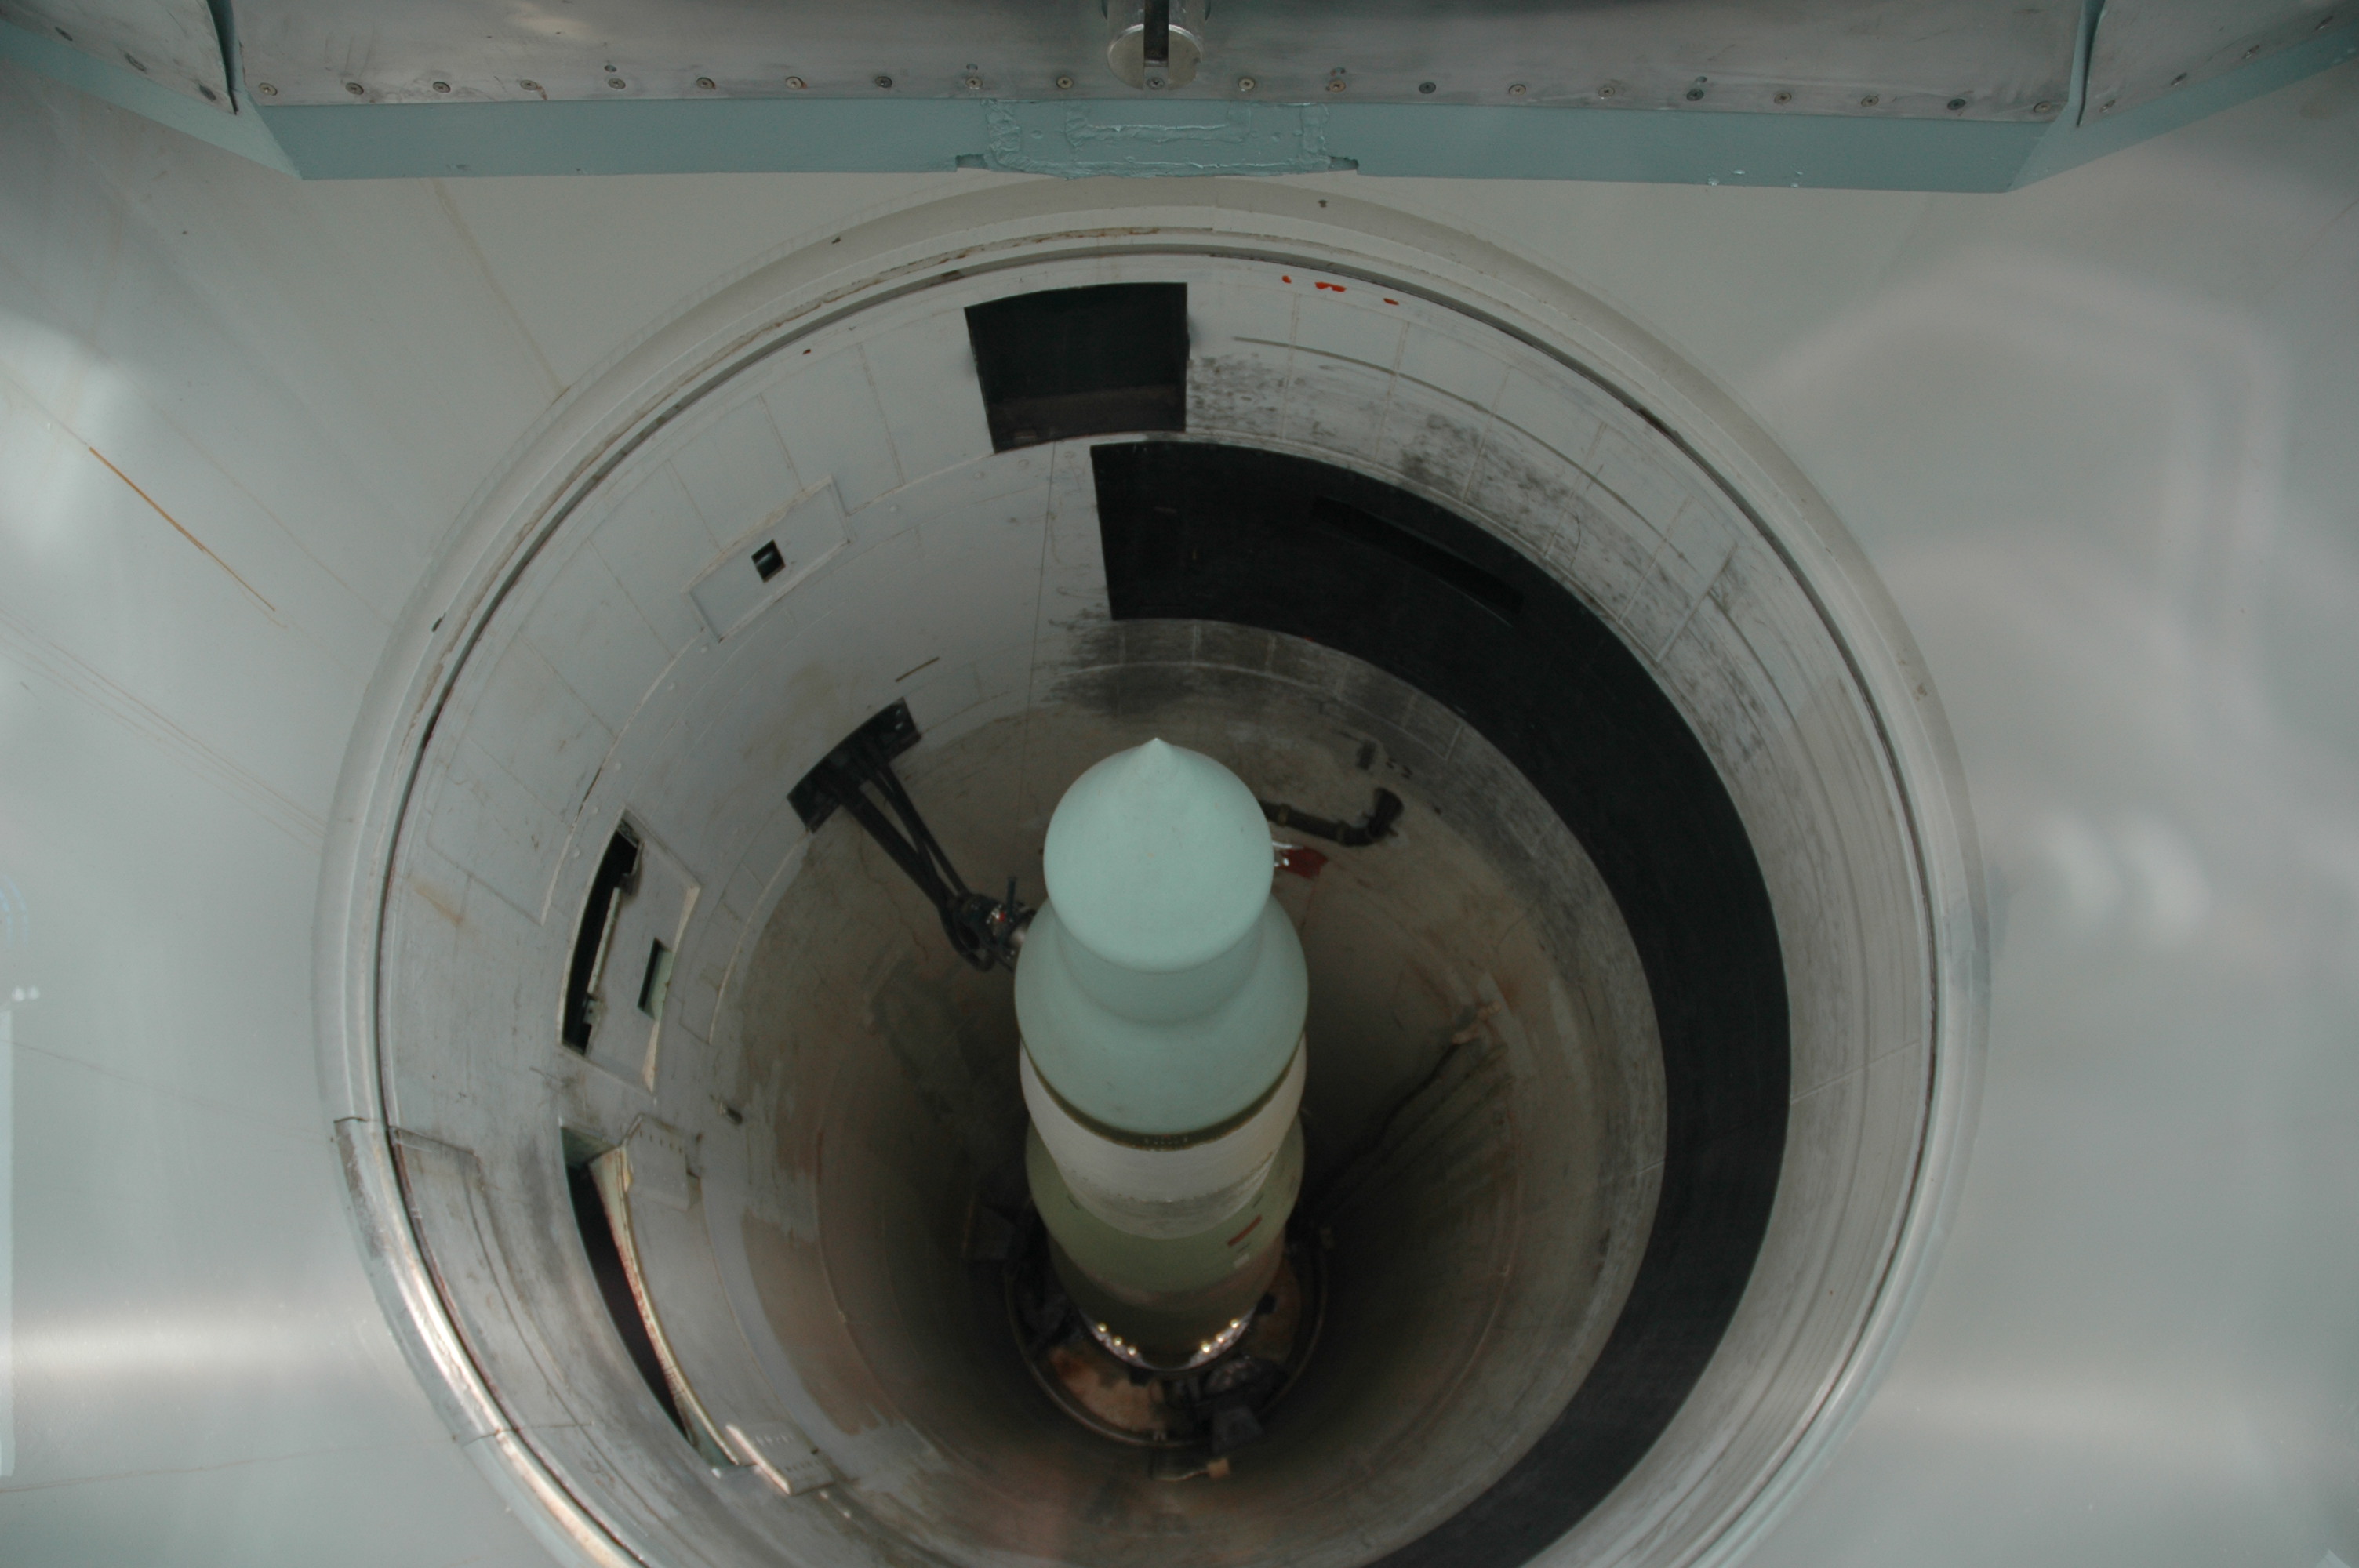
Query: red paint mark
(806, 351)
(1388, 302)
(1248, 1230)
(1336, 286)
(1285, 277)
(1302, 862)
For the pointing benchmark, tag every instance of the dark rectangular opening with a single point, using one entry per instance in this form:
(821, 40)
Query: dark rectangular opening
(617, 874)
(657, 980)
(769, 561)
(1082, 362)
(597, 1232)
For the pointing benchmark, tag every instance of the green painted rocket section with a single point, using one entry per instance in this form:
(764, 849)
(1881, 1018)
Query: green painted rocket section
(1166, 1298)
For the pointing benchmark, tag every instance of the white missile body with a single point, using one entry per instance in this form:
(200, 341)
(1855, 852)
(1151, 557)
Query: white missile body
(1161, 995)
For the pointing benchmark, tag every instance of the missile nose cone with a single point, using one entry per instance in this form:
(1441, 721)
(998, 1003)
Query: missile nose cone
(1161, 991)
(1158, 859)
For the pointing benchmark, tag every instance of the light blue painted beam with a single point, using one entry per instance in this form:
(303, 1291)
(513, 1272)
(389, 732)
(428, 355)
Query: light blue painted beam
(1684, 146)
(1159, 139)
(241, 132)
(738, 136)
(2069, 145)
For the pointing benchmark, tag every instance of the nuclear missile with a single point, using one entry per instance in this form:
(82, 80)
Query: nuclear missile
(1161, 997)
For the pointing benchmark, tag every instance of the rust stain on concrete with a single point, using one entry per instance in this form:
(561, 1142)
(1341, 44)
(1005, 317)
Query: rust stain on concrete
(184, 534)
(435, 901)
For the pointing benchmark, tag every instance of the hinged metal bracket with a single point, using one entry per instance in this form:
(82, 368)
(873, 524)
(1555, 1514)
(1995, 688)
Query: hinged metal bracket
(984, 931)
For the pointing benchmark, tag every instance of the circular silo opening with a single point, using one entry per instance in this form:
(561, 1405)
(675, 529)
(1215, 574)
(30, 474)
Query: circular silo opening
(1637, 1049)
(1484, 1116)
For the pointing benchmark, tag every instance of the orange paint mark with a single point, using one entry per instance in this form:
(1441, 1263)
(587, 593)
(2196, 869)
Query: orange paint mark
(1336, 286)
(1248, 1230)
(184, 534)
(1388, 302)
(1285, 277)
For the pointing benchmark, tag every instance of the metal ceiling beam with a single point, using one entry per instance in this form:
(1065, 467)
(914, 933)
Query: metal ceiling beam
(2148, 49)
(241, 132)
(1168, 138)
(1178, 136)
(176, 43)
(1996, 59)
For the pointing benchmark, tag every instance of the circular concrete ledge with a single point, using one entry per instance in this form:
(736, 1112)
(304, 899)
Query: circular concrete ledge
(586, 658)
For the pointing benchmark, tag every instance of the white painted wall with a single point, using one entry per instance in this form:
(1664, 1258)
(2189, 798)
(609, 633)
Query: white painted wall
(2098, 436)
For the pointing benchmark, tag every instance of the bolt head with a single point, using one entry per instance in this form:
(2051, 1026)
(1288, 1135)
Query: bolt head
(705, 82)
(615, 82)
(1956, 105)
(796, 83)
(1695, 94)
(1064, 82)
(884, 81)
(1336, 84)
(354, 87)
(1247, 84)
(1781, 98)
(973, 82)
(441, 87)
(266, 90)
(529, 85)
(1871, 101)
(2043, 107)
(1425, 87)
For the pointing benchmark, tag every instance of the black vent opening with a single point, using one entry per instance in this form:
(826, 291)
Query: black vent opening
(617, 874)
(1082, 361)
(597, 1231)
